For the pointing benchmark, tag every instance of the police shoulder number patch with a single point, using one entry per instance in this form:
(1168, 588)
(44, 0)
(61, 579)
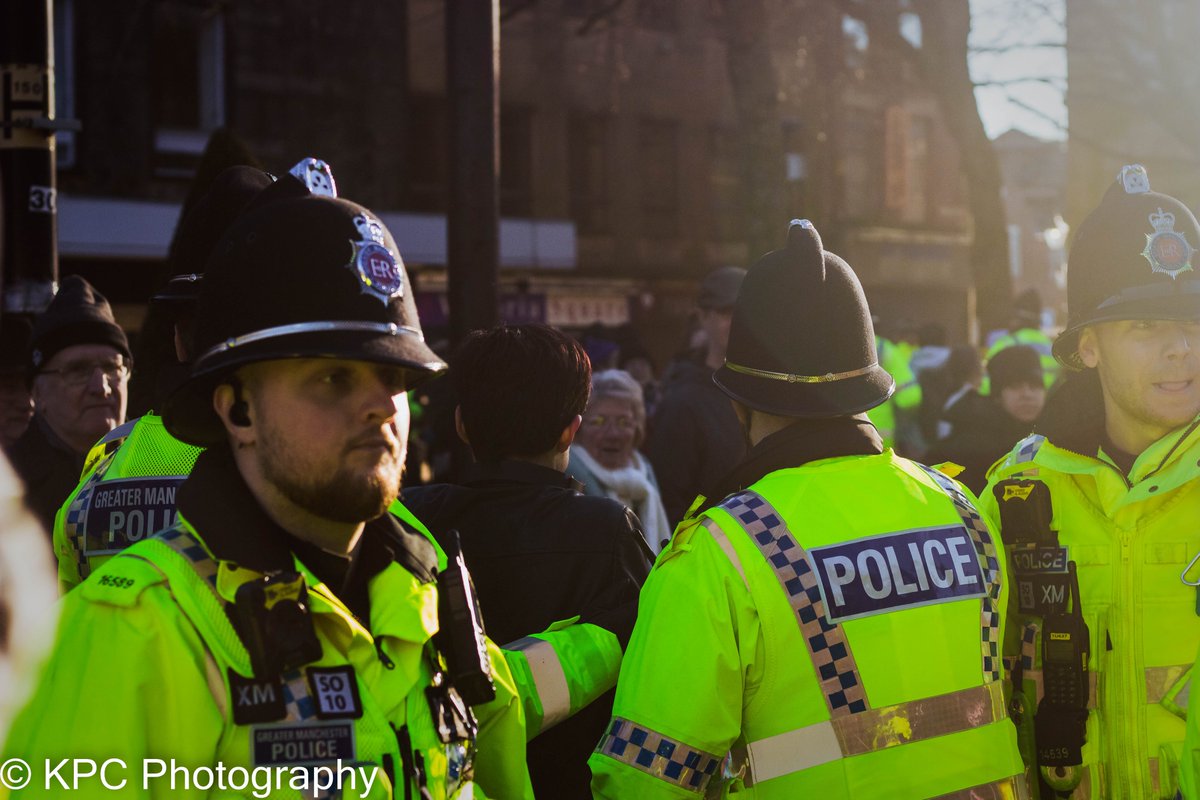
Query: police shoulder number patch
(335, 692)
(895, 571)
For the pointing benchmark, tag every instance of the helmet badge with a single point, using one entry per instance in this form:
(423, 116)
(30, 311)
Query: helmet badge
(377, 267)
(1135, 179)
(316, 175)
(1167, 250)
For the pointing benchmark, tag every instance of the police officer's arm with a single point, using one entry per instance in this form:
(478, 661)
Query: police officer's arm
(126, 680)
(500, 766)
(689, 664)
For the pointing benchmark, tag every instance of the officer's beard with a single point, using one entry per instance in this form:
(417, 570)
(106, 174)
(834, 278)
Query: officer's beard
(345, 495)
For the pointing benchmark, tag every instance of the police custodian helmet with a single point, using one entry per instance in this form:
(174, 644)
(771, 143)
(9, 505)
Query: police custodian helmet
(801, 343)
(300, 275)
(1131, 259)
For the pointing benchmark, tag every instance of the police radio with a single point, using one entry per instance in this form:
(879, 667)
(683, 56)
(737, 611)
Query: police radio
(272, 619)
(1061, 721)
(460, 637)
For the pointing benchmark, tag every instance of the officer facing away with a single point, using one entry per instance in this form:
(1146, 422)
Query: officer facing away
(287, 623)
(1099, 509)
(788, 623)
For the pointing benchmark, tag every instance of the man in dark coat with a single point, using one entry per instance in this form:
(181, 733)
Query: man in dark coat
(539, 551)
(79, 366)
(694, 436)
(985, 427)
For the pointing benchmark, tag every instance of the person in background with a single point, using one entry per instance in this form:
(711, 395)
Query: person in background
(985, 427)
(16, 403)
(79, 365)
(607, 461)
(524, 523)
(1025, 328)
(694, 435)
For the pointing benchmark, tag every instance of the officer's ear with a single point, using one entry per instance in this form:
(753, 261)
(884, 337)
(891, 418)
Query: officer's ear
(1089, 347)
(567, 437)
(234, 412)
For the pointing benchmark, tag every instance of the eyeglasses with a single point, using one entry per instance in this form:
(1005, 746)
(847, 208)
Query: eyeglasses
(600, 422)
(80, 374)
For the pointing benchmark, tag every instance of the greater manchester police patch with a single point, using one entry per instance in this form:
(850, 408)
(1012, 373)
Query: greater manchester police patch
(897, 570)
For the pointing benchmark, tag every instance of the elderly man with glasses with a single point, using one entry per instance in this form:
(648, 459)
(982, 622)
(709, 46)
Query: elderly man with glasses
(79, 369)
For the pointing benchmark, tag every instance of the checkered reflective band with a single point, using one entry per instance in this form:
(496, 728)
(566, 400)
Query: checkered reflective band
(1028, 447)
(74, 523)
(986, 550)
(655, 754)
(826, 641)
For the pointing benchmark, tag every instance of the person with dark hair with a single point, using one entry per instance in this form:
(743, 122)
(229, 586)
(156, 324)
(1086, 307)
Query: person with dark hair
(1025, 329)
(78, 365)
(985, 427)
(524, 523)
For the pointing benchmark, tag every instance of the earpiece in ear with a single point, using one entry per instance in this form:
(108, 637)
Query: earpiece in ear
(239, 414)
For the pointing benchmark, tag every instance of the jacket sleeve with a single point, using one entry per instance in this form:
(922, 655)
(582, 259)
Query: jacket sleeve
(500, 768)
(126, 680)
(678, 704)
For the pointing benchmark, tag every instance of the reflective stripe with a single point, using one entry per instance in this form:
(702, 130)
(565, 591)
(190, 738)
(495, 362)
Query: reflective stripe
(791, 377)
(726, 546)
(826, 642)
(1014, 788)
(666, 759)
(1161, 680)
(383, 328)
(548, 678)
(870, 731)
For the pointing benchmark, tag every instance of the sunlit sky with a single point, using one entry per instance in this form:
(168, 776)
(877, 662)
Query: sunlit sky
(1031, 105)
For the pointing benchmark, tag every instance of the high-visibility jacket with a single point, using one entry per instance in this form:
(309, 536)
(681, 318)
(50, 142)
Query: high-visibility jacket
(1028, 337)
(147, 665)
(834, 628)
(907, 397)
(1189, 768)
(127, 493)
(1130, 538)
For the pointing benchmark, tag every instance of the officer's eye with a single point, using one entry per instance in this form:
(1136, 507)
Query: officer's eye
(334, 377)
(1144, 324)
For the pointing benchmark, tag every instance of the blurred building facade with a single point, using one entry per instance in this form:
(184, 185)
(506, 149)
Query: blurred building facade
(1034, 172)
(1132, 97)
(619, 148)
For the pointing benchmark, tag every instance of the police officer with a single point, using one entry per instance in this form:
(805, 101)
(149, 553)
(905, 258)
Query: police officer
(832, 620)
(127, 490)
(287, 624)
(1025, 329)
(1099, 509)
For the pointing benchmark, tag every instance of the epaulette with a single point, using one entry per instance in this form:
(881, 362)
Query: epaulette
(108, 444)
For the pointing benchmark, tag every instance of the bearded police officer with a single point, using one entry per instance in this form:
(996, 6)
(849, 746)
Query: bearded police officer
(1099, 510)
(832, 619)
(287, 624)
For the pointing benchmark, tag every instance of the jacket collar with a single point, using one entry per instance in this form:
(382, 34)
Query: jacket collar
(796, 445)
(516, 471)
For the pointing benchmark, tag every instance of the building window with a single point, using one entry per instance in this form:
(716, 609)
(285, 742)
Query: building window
(857, 40)
(587, 154)
(658, 148)
(862, 153)
(724, 181)
(516, 162)
(187, 81)
(906, 176)
(64, 80)
(428, 155)
(658, 15)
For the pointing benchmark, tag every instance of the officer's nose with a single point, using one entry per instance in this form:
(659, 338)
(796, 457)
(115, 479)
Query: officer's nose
(1182, 339)
(385, 394)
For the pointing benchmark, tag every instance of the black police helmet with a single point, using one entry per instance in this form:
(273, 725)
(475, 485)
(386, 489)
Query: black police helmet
(1131, 259)
(801, 343)
(302, 277)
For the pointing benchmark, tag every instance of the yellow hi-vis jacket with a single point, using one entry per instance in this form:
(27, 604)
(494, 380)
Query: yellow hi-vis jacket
(834, 628)
(1130, 538)
(127, 493)
(148, 669)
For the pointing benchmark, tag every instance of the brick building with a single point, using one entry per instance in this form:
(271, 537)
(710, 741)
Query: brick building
(619, 145)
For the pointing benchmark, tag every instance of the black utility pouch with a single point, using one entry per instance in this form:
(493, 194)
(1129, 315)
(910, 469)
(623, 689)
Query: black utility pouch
(1025, 513)
(272, 619)
(461, 638)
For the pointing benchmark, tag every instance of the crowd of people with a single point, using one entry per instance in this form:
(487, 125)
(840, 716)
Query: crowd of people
(803, 560)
